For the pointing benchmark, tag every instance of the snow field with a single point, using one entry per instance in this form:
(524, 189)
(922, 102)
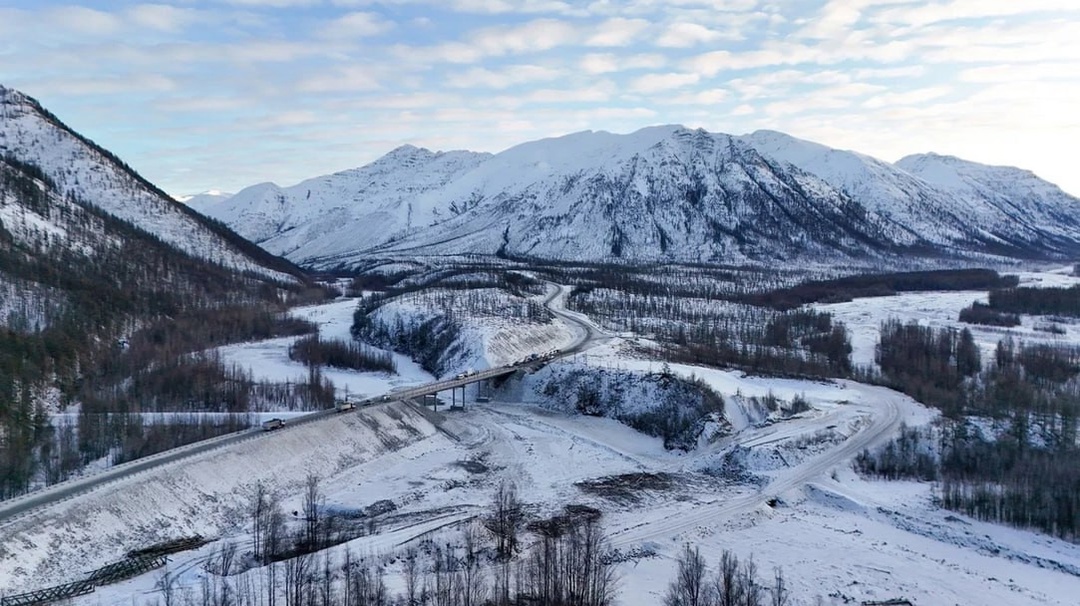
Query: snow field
(269, 360)
(863, 317)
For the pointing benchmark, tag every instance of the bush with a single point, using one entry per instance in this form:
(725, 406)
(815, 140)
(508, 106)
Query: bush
(980, 313)
(312, 350)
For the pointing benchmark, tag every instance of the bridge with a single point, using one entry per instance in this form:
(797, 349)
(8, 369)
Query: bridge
(26, 504)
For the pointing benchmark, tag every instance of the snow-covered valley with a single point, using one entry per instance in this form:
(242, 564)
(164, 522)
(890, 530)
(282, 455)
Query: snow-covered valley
(779, 489)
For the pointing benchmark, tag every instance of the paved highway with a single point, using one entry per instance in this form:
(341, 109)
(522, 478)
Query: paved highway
(19, 506)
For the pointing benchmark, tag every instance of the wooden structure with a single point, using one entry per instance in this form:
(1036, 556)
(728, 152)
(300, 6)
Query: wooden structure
(49, 594)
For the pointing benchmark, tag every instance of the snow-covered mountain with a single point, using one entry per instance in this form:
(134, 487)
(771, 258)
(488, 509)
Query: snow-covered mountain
(205, 201)
(949, 201)
(88, 174)
(663, 193)
(351, 210)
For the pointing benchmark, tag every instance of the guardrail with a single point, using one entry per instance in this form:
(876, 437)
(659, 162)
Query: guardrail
(10, 508)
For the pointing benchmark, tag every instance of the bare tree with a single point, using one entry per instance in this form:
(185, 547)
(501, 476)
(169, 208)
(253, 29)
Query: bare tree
(271, 584)
(443, 568)
(312, 501)
(258, 509)
(297, 579)
(505, 520)
(751, 591)
(780, 592)
(567, 565)
(167, 583)
(689, 587)
(346, 572)
(727, 586)
(273, 530)
(473, 584)
(412, 579)
(327, 586)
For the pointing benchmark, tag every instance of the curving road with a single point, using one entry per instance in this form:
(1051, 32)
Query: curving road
(885, 421)
(20, 506)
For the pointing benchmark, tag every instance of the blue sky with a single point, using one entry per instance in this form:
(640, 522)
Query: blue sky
(201, 94)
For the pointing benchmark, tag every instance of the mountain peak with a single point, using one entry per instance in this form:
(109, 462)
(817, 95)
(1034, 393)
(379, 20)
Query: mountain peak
(663, 192)
(409, 152)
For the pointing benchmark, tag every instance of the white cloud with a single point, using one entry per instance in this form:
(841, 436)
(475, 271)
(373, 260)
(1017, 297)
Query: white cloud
(350, 78)
(274, 3)
(1011, 73)
(617, 32)
(607, 63)
(356, 25)
(712, 96)
(685, 35)
(103, 85)
(82, 20)
(203, 104)
(489, 7)
(954, 10)
(509, 76)
(918, 96)
(163, 17)
(537, 35)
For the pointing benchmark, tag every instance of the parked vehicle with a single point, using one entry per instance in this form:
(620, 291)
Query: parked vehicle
(344, 406)
(272, 424)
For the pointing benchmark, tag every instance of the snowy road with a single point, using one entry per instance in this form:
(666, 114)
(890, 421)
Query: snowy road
(885, 419)
(591, 333)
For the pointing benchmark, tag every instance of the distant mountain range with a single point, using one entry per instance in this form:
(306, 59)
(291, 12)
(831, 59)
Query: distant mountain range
(203, 201)
(664, 193)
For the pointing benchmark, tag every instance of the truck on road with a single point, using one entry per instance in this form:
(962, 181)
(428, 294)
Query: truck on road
(272, 424)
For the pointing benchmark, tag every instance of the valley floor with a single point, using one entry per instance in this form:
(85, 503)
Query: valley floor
(840, 539)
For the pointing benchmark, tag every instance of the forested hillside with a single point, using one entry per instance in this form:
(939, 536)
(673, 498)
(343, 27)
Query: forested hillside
(94, 311)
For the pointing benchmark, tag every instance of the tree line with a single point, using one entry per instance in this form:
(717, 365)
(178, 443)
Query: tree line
(1051, 301)
(845, 289)
(1026, 472)
(312, 350)
(801, 342)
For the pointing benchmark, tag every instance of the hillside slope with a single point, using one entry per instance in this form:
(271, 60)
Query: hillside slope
(350, 210)
(80, 170)
(103, 278)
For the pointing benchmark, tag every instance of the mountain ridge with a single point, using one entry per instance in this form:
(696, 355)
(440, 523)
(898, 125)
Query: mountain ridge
(661, 193)
(82, 169)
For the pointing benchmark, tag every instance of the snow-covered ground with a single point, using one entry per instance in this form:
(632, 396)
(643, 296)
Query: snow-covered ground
(839, 538)
(863, 317)
(269, 360)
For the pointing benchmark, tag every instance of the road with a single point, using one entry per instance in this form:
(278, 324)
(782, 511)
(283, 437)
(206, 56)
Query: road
(556, 304)
(884, 422)
(19, 506)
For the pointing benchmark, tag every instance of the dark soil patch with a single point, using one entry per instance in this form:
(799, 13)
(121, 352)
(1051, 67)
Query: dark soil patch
(627, 486)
